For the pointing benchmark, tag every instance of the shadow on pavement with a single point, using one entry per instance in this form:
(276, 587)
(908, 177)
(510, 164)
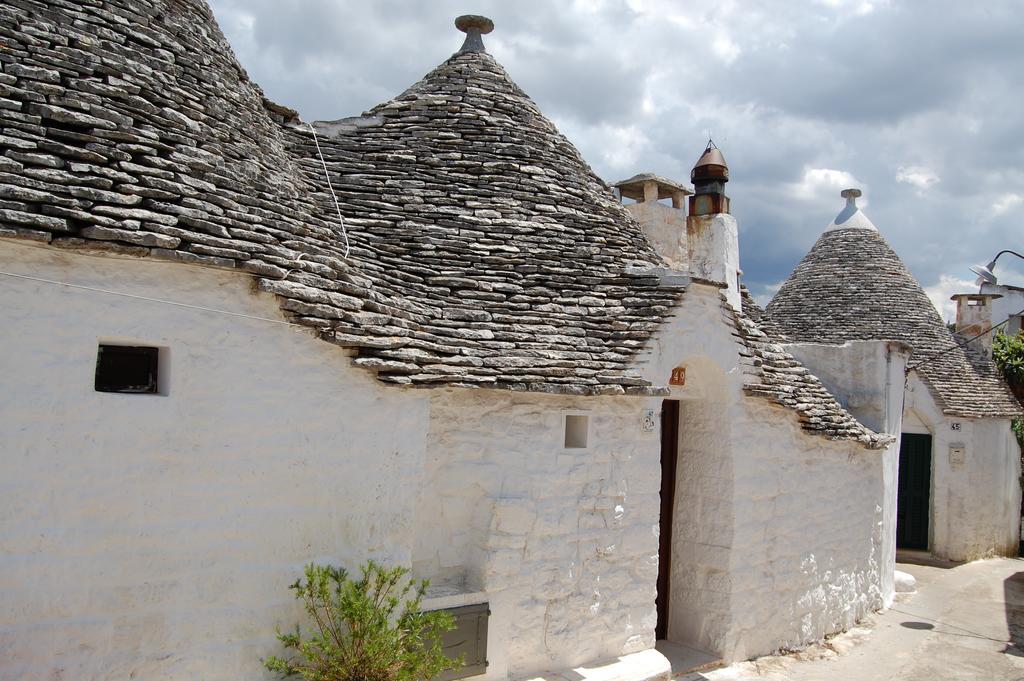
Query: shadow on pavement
(1013, 597)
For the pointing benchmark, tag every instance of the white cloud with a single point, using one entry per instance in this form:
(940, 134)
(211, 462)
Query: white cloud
(947, 286)
(726, 50)
(766, 293)
(823, 183)
(919, 176)
(858, 7)
(1005, 203)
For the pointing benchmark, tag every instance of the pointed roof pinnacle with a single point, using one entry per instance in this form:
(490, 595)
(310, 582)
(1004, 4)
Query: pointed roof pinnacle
(474, 26)
(851, 216)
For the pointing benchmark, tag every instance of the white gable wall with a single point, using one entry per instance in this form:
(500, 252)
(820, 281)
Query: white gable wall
(975, 502)
(811, 552)
(780, 537)
(868, 377)
(155, 536)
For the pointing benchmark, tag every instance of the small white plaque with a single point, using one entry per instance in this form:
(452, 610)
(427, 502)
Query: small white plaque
(956, 456)
(650, 422)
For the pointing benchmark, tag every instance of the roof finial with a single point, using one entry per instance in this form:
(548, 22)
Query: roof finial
(474, 26)
(851, 217)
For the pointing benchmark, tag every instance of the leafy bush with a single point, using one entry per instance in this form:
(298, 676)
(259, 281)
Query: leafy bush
(370, 629)
(1008, 353)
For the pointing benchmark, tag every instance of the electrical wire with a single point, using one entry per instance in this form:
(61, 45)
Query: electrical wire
(337, 206)
(152, 300)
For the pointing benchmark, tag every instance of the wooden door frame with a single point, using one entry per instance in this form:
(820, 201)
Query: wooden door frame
(669, 459)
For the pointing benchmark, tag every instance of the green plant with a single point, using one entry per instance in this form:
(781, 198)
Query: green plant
(369, 629)
(1008, 353)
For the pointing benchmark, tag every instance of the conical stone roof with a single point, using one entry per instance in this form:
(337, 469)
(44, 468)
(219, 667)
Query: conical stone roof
(853, 286)
(463, 198)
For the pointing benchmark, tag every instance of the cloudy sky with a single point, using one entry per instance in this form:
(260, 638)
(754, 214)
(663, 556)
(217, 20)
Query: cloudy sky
(917, 103)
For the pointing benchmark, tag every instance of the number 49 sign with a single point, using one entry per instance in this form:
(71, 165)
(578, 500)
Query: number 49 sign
(678, 376)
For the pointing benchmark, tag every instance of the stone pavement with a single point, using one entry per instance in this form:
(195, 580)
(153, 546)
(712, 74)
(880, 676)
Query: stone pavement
(965, 623)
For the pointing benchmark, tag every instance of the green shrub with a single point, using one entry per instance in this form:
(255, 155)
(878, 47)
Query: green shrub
(370, 629)
(1008, 353)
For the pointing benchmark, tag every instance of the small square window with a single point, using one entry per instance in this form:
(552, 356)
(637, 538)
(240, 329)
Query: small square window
(127, 369)
(576, 426)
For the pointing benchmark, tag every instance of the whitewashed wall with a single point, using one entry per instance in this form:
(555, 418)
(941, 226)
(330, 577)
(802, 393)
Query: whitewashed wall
(975, 504)
(665, 228)
(155, 536)
(868, 377)
(780, 536)
(810, 537)
(562, 542)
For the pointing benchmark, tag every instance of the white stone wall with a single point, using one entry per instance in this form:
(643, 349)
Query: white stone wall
(665, 227)
(810, 541)
(975, 502)
(704, 515)
(1010, 305)
(154, 536)
(562, 541)
(783, 535)
(865, 376)
(868, 377)
(714, 251)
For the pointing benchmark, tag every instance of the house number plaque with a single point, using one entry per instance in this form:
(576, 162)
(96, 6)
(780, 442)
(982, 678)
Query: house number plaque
(678, 376)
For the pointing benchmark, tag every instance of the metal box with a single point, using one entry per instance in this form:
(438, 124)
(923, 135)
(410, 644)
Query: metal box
(468, 638)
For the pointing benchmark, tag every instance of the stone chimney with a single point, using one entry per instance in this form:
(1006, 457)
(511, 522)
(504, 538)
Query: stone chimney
(665, 226)
(712, 235)
(974, 318)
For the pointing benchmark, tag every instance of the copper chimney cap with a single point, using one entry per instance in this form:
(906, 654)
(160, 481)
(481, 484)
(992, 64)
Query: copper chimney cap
(711, 166)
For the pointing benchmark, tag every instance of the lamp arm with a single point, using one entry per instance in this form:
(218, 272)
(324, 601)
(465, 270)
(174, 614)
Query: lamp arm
(993, 262)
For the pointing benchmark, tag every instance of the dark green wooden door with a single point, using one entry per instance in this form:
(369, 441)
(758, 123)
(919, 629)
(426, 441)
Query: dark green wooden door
(913, 495)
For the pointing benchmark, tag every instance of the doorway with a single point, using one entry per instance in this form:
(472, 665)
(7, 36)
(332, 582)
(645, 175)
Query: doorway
(913, 496)
(669, 457)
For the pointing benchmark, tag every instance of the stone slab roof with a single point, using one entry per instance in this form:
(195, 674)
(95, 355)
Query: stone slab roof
(484, 250)
(633, 188)
(462, 198)
(776, 375)
(853, 286)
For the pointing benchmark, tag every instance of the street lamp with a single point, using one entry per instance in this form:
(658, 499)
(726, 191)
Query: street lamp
(984, 272)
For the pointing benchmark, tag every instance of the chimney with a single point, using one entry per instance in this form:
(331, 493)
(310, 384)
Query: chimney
(712, 235)
(974, 318)
(665, 226)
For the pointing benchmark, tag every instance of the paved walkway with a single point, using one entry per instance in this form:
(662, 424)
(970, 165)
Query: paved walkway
(965, 623)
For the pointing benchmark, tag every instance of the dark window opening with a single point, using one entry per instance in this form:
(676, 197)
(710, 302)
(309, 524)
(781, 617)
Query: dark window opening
(127, 369)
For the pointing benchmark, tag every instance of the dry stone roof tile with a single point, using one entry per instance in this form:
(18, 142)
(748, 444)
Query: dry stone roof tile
(853, 286)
